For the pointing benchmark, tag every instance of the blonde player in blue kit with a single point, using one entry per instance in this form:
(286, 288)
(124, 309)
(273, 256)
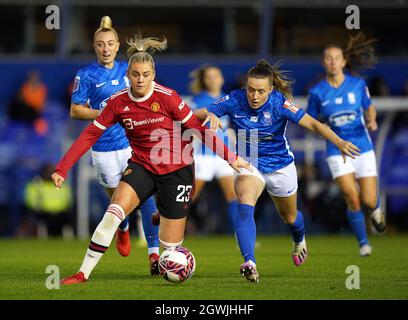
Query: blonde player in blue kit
(344, 102)
(259, 115)
(93, 86)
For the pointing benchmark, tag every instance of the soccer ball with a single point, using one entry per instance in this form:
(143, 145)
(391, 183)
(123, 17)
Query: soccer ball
(177, 264)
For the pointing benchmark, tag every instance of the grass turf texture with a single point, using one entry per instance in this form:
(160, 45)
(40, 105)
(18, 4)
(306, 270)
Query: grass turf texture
(384, 275)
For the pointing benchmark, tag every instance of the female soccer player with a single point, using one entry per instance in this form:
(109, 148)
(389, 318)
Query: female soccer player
(259, 115)
(161, 162)
(207, 86)
(93, 86)
(344, 101)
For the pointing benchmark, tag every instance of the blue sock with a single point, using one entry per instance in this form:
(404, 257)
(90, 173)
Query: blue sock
(357, 223)
(233, 212)
(151, 232)
(124, 225)
(297, 228)
(245, 230)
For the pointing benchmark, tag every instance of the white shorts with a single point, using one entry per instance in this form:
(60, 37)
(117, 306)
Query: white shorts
(208, 167)
(362, 166)
(281, 183)
(110, 166)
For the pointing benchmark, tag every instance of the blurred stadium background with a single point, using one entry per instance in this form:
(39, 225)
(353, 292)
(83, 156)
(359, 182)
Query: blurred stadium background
(231, 34)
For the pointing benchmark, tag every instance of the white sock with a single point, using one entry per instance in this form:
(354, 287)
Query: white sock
(102, 237)
(170, 245)
(153, 250)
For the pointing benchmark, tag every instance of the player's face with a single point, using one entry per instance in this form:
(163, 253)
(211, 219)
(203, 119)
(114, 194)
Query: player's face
(213, 79)
(106, 47)
(333, 61)
(258, 91)
(140, 76)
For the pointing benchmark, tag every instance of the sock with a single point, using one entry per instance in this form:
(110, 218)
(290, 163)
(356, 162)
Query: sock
(124, 225)
(170, 245)
(245, 230)
(102, 237)
(297, 228)
(233, 212)
(357, 223)
(147, 209)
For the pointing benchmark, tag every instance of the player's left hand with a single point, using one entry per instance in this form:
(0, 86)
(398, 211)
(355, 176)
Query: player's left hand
(215, 123)
(348, 149)
(372, 125)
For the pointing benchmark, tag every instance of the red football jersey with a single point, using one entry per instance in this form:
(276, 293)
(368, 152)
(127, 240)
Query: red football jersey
(156, 126)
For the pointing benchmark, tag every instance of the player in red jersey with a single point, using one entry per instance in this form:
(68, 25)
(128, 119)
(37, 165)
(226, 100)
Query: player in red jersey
(159, 126)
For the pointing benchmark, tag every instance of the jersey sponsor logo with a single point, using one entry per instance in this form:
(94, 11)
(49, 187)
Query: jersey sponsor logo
(126, 109)
(75, 86)
(255, 136)
(115, 82)
(130, 124)
(181, 105)
(254, 119)
(338, 100)
(342, 118)
(100, 84)
(291, 106)
(222, 99)
(155, 106)
(351, 97)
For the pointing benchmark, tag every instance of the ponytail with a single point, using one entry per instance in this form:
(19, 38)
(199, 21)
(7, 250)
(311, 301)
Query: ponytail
(106, 26)
(279, 79)
(140, 48)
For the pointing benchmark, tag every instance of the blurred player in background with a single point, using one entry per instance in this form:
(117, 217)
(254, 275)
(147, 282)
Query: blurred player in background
(344, 102)
(93, 86)
(207, 87)
(259, 115)
(150, 113)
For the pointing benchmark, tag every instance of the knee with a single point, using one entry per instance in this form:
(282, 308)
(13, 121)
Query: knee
(353, 201)
(289, 217)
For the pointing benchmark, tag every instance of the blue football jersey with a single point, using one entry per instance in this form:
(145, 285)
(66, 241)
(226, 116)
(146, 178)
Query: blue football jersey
(93, 85)
(203, 100)
(343, 109)
(260, 132)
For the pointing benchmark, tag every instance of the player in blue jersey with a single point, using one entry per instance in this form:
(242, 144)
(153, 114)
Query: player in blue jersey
(207, 86)
(259, 115)
(343, 100)
(93, 86)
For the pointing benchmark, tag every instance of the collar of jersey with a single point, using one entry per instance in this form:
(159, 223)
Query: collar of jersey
(147, 96)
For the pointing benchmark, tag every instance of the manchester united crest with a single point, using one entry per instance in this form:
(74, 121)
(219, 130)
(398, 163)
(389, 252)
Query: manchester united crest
(155, 106)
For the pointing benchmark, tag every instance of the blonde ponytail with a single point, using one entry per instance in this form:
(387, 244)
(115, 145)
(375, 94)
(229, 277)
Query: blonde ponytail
(140, 48)
(106, 26)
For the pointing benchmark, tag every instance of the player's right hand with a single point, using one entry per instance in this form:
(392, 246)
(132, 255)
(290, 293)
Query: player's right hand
(240, 163)
(215, 123)
(58, 180)
(348, 149)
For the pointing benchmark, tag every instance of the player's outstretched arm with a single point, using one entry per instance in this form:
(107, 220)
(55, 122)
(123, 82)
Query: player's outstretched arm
(83, 112)
(58, 180)
(208, 117)
(346, 147)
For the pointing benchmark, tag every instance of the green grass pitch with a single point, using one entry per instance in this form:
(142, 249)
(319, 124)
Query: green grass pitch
(384, 275)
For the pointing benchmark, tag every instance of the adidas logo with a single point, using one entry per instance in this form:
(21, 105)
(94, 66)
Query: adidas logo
(126, 109)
